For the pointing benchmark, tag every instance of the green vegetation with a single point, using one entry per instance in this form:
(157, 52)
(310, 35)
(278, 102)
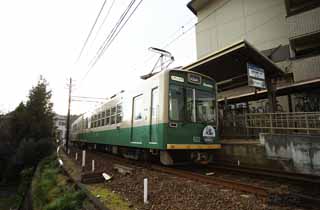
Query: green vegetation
(13, 201)
(26, 134)
(8, 202)
(50, 188)
(110, 199)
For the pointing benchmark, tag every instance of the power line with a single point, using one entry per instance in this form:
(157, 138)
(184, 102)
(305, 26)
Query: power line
(91, 30)
(112, 35)
(115, 33)
(89, 97)
(169, 41)
(104, 20)
(86, 101)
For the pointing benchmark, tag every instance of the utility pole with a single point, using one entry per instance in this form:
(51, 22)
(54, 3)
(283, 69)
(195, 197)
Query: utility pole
(68, 116)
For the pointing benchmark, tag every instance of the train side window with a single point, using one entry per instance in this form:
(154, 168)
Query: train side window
(137, 107)
(102, 122)
(113, 110)
(113, 120)
(113, 115)
(119, 113)
(107, 116)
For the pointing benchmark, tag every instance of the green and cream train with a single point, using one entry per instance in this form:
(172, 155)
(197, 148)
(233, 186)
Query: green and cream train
(171, 115)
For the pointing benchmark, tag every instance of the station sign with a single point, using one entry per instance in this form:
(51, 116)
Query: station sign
(256, 76)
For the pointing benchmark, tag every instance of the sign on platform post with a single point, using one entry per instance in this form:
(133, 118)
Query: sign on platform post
(256, 76)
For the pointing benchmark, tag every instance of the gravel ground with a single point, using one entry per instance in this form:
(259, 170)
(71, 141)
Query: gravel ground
(167, 192)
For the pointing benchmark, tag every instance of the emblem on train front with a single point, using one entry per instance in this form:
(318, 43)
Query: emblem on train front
(208, 134)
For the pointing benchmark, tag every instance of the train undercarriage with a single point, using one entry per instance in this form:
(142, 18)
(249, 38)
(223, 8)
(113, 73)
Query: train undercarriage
(166, 157)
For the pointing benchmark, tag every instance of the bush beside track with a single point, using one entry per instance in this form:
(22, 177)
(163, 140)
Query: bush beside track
(51, 189)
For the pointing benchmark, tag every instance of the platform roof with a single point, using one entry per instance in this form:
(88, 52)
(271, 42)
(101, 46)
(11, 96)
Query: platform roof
(282, 90)
(231, 62)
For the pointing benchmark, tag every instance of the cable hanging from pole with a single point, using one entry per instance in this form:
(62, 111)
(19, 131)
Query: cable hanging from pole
(91, 30)
(115, 32)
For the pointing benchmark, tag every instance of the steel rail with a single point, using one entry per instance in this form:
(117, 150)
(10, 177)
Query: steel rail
(258, 190)
(270, 173)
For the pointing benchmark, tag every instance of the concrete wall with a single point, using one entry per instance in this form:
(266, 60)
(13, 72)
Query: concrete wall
(302, 150)
(306, 68)
(304, 23)
(247, 153)
(223, 22)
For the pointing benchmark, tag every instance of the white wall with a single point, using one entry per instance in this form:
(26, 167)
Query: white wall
(223, 22)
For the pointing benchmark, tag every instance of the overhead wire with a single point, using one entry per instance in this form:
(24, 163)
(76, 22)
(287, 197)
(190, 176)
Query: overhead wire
(91, 30)
(89, 97)
(111, 33)
(104, 20)
(115, 32)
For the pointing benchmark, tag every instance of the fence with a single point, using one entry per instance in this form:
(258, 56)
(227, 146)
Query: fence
(284, 122)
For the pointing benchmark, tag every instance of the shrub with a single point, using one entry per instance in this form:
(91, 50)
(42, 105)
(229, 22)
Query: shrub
(69, 201)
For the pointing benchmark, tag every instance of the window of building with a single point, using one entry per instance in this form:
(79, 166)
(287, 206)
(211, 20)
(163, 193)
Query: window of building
(62, 123)
(298, 6)
(306, 46)
(102, 122)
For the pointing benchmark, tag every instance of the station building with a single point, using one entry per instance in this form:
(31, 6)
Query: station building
(283, 38)
(60, 122)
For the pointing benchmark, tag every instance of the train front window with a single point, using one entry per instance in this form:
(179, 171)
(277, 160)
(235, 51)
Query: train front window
(176, 103)
(190, 104)
(204, 106)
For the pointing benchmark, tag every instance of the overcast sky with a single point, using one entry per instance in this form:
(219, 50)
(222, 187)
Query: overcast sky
(41, 37)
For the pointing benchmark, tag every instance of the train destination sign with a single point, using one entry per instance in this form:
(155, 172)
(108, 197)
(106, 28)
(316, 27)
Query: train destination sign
(256, 76)
(196, 79)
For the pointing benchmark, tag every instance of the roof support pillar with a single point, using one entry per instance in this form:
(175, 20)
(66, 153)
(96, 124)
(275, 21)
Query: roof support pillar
(271, 88)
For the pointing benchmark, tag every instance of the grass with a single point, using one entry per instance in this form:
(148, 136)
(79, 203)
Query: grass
(50, 189)
(110, 199)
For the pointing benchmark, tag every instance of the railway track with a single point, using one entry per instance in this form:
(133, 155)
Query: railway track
(268, 173)
(274, 196)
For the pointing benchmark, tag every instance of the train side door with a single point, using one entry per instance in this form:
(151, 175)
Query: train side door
(138, 133)
(154, 116)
